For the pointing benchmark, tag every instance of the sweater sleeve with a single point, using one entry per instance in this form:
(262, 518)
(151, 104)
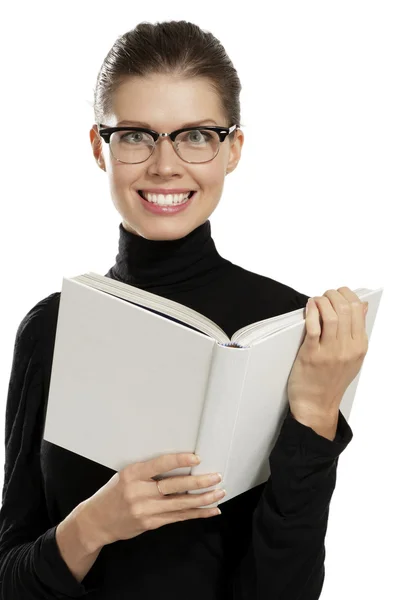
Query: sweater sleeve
(31, 565)
(286, 554)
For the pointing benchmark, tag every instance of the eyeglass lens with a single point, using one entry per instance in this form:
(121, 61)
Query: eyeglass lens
(135, 146)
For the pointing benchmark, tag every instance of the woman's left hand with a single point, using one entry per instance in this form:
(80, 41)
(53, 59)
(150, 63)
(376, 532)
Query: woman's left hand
(327, 362)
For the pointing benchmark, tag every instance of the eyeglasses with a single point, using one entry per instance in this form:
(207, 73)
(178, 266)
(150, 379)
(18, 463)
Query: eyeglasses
(134, 145)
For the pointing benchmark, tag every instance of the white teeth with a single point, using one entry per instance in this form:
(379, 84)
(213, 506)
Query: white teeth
(167, 199)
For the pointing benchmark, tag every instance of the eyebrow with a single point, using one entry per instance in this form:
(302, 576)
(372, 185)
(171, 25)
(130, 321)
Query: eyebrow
(140, 124)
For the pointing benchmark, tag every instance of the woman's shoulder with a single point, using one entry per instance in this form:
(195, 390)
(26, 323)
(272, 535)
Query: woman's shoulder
(268, 289)
(40, 322)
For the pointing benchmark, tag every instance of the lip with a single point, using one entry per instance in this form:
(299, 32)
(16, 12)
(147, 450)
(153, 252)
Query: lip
(166, 190)
(166, 210)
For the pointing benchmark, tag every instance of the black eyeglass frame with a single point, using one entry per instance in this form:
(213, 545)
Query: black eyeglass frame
(105, 132)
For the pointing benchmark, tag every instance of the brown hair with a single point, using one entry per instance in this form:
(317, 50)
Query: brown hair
(179, 48)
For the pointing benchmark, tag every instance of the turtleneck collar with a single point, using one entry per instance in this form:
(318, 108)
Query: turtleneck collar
(171, 265)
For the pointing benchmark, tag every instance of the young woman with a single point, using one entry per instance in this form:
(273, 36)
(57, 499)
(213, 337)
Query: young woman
(167, 133)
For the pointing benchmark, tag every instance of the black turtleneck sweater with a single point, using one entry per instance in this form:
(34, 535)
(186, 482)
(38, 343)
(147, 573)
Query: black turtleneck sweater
(268, 543)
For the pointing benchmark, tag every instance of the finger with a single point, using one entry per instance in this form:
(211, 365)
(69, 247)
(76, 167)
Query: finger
(156, 503)
(348, 294)
(168, 486)
(329, 320)
(359, 316)
(313, 325)
(343, 309)
(161, 519)
(162, 464)
(358, 313)
(180, 484)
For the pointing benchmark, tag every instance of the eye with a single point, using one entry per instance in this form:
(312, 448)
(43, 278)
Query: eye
(197, 136)
(135, 136)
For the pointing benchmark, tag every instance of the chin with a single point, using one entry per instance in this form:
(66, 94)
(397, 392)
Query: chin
(159, 231)
(170, 232)
(164, 229)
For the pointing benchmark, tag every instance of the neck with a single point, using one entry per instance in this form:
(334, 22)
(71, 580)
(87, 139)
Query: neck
(167, 264)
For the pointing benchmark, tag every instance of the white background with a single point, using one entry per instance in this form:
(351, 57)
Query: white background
(311, 204)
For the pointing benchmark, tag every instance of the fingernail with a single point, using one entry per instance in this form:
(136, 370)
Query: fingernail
(307, 305)
(195, 459)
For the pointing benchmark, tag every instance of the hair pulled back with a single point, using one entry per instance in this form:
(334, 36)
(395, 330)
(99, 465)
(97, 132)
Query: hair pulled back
(178, 48)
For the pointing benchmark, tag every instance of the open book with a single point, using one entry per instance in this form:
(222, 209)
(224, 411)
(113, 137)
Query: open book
(135, 375)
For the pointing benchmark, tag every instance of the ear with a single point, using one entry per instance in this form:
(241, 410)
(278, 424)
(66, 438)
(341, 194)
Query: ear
(235, 151)
(97, 149)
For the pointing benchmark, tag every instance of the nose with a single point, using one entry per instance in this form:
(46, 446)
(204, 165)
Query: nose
(164, 159)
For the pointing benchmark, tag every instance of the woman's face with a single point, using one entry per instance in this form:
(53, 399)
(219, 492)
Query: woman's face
(165, 103)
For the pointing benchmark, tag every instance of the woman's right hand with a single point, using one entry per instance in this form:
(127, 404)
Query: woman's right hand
(130, 504)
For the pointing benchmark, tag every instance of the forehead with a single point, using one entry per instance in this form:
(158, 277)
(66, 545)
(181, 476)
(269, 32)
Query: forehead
(165, 101)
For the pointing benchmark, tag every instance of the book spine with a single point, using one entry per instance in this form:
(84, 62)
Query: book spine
(221, 405)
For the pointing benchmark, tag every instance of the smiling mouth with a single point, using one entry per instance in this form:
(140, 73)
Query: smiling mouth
(140, 192)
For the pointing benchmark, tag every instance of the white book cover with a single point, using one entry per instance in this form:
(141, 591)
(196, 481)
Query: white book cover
(129, 384)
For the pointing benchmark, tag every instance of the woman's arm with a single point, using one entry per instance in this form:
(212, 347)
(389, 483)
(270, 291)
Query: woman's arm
(31, 565)
(286, 554)
(75, 538)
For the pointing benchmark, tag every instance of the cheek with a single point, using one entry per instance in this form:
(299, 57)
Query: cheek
(122, 177)
(211, 178)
